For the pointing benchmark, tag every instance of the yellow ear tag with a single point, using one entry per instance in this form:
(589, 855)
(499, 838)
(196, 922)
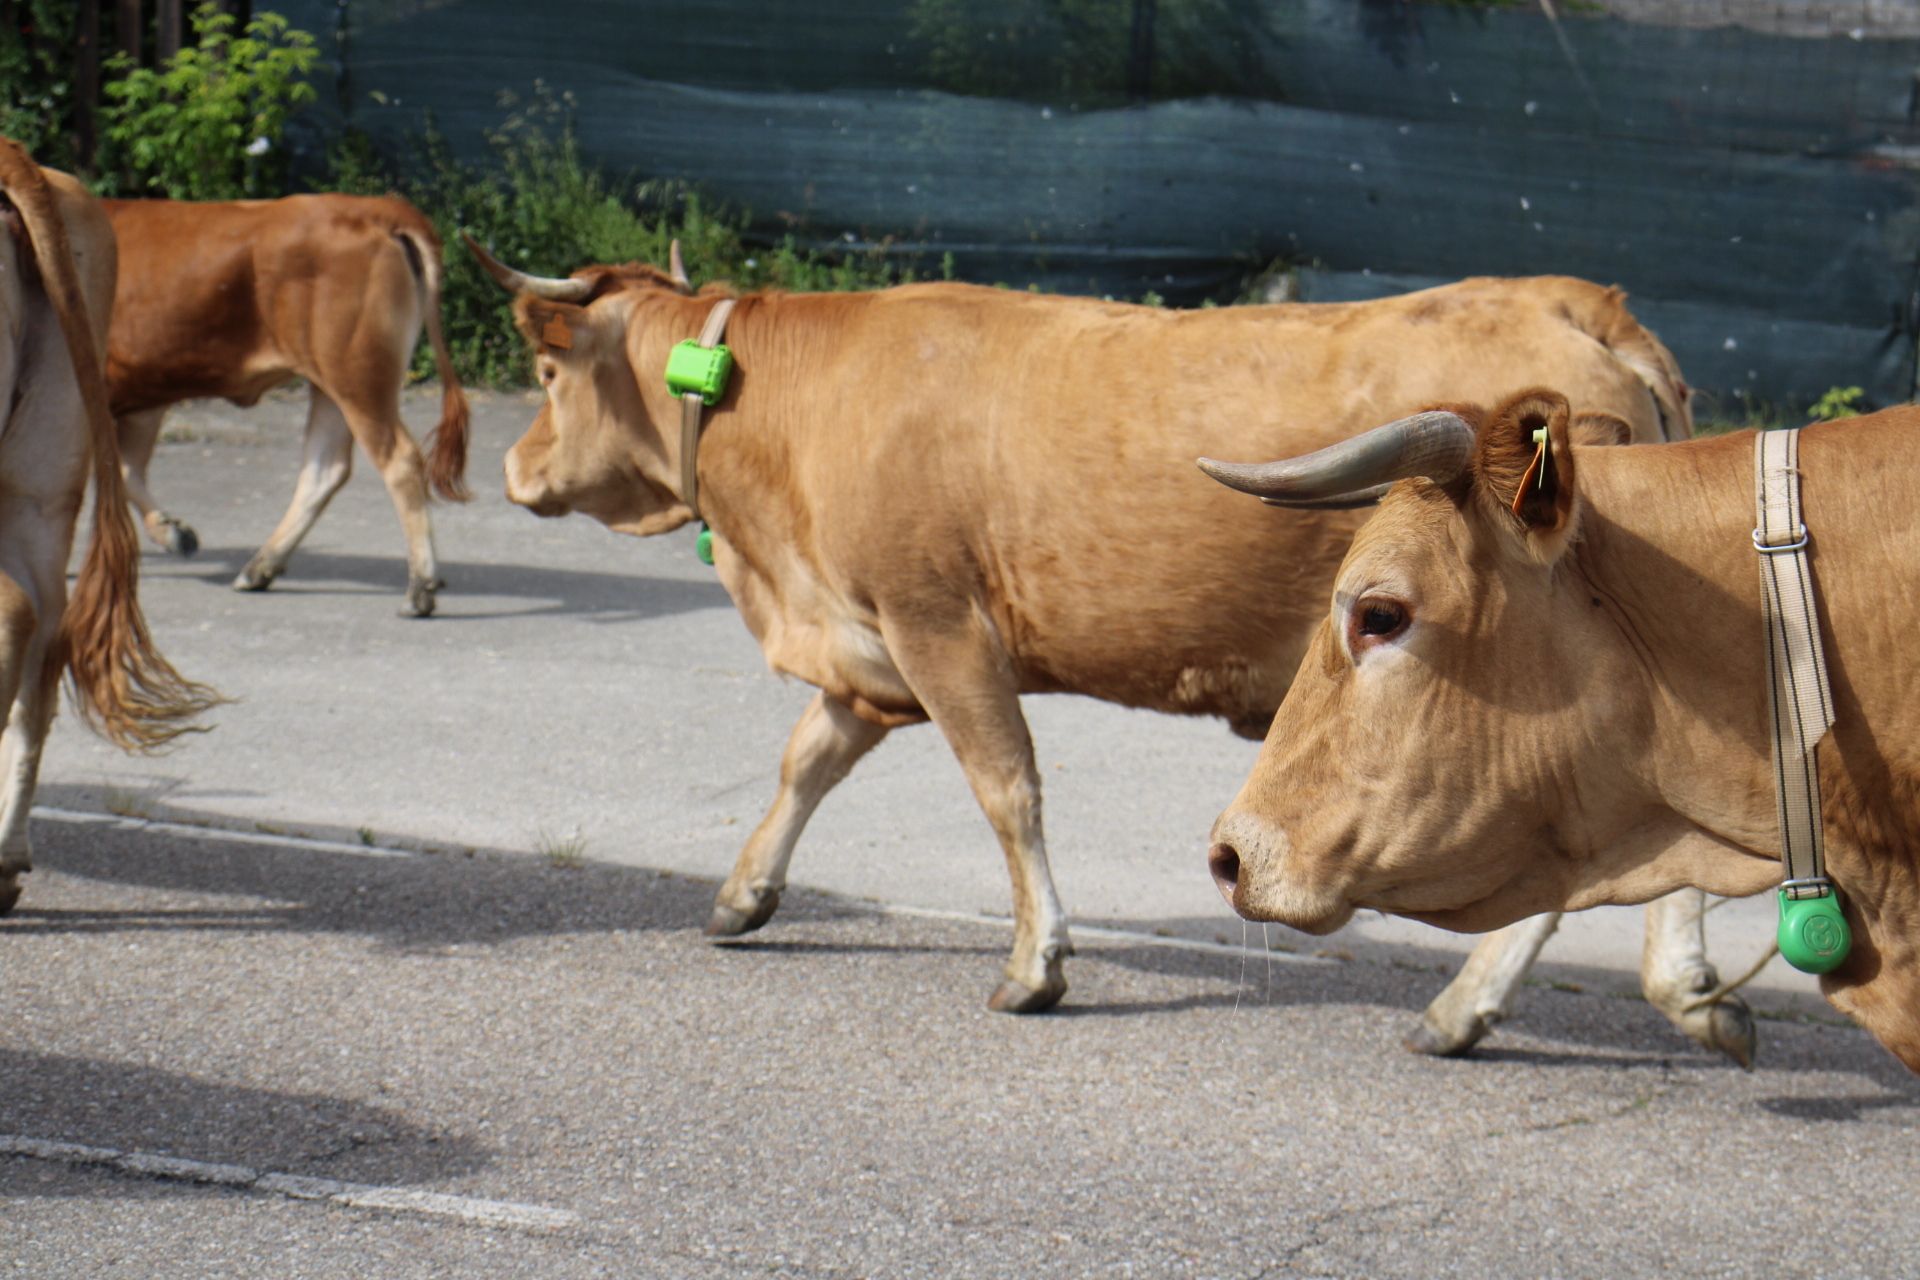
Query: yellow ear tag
(1536, 474)
(556, 334)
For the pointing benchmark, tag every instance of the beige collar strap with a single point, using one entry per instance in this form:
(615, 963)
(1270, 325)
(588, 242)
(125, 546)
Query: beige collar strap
(690, 412)
(1798, 694)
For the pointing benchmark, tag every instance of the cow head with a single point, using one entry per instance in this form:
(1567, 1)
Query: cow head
(1461, 715)
(606, 440)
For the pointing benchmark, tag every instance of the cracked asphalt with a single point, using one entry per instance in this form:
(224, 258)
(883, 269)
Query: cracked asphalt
(486, 980)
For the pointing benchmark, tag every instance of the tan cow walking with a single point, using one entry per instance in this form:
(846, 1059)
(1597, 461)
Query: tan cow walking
(56, 287)
(1530, 696)
(231, 300)
(930, 500)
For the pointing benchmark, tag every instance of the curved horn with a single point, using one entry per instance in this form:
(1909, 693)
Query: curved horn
(551, 288)
(677, 266)
(1435, 444)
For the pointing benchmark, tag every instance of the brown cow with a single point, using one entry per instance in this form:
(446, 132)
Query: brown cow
(932, 499)
(56, 287)
(1556, 698)
(231, 300)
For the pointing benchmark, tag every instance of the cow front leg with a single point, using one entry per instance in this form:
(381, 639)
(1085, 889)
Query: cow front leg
(1675, 972)
(964, 681)
(325, 463)
(138, 434)
(826, 743)
(1481, 994)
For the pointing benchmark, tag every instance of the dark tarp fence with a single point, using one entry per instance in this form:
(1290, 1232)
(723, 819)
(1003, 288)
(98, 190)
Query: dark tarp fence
(1754, 192)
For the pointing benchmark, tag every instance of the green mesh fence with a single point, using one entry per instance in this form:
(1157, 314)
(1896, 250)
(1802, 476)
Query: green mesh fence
(1753, 190)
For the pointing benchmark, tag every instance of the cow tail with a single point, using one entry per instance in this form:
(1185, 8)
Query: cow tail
(447, 450)
(123, 687)
(1636, 347)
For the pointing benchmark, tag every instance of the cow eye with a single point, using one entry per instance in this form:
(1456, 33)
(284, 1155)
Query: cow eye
(1375, 620)
(546, 375)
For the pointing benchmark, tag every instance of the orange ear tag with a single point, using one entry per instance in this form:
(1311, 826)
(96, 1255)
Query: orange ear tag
(556, 334)
(1536, 474)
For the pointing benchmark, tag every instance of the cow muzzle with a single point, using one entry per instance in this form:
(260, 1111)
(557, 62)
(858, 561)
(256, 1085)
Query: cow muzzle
(523, 491)
(1248, 860)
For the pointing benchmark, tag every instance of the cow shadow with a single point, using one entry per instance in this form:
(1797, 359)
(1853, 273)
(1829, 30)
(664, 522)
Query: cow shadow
(601, 597)
(131, 1107)
(428, 901)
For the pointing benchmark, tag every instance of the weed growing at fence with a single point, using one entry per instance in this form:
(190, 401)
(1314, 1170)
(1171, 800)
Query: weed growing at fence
(1837, 402)
(207, 125)
(542, 206)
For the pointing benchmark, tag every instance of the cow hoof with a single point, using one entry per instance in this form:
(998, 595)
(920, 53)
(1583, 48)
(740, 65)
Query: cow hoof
(181, 540)
(731, 922)
(9, 894)
(1017, 997)
(1435, 1041)
(420, 601)
(254, 579)
(1725, 1026)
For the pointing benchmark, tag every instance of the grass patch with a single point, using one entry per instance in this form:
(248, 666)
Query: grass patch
(566, 852)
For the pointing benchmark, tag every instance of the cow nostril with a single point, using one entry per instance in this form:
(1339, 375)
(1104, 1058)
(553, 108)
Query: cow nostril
(1224, 861)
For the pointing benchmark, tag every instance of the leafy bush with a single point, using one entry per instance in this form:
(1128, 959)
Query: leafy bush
(36, 80)
(1837, 402)
(542, 207)
(208, 124)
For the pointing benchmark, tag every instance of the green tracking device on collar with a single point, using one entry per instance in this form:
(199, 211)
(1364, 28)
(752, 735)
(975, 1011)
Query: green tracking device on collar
(692, 367)
(703, 545)
(1813, 934)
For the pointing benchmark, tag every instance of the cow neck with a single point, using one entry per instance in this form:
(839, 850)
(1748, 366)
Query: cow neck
(1666, 549)
(744, 461)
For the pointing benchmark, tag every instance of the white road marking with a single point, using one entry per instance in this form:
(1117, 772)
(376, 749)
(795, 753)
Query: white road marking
(432, 1204)
(316, 844)
(222, 833)
(1102, 932)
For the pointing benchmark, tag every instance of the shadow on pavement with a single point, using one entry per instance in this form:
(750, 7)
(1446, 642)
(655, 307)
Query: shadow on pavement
(435, 900)
(602, 596)
(138, 1108)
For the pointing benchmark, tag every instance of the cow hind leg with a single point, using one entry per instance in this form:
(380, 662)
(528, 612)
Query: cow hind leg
(404, 470)
(1482, 993)
(139, 432)
(325, 463)
(1675, 973)
(826, 743)
(963, 680)
(34, 544)
(18, 624)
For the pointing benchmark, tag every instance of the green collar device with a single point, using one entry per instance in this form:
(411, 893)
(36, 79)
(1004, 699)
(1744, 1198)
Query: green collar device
(698, 371)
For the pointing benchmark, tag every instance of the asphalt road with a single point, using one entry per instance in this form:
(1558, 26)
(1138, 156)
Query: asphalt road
(429, 997)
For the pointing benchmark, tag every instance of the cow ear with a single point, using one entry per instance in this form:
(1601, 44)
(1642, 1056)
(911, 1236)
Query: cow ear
(1601, 429)
(1523, 471)
(553, 327)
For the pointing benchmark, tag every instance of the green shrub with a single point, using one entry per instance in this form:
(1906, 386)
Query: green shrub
(208, 124)
(542, 207)
(36, 80)
(1837, 402)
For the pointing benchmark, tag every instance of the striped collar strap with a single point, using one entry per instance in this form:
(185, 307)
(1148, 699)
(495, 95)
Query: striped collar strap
(691, 406)
(1813, 932)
